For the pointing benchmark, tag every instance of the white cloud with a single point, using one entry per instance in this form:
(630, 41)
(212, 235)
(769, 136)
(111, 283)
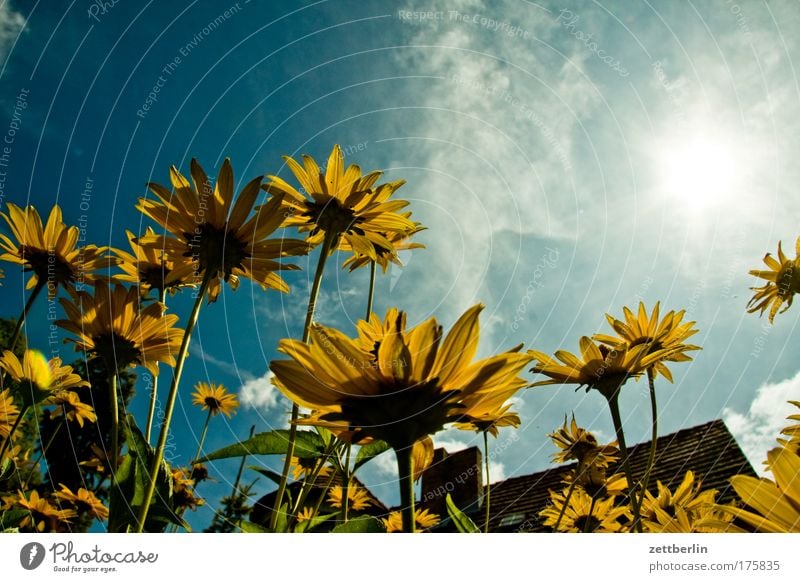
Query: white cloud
(11, 24)
(259, 394)
(757, 429)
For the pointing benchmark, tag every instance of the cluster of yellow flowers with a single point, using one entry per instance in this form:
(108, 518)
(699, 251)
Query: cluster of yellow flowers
(386, 386)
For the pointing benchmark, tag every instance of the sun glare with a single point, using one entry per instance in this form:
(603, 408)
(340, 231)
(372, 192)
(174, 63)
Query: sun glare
(698, 171)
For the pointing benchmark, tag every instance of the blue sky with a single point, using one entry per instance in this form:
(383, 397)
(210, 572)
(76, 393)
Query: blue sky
(568, 159)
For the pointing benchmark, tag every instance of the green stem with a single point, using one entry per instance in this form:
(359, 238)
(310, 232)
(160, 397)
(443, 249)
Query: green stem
(651, 461)
(114, 406)
(241, 466)
(406, 474)
(158, 458)
(566, 501)
(151, 413)
(327, 245)
(488, 481)
(202, 437)
(323, 493)
(40, 284)
(7, 442)
(591, 511)
(310, 481)
(371, 292)
(613, 405)
(43, 453)
(346, 484)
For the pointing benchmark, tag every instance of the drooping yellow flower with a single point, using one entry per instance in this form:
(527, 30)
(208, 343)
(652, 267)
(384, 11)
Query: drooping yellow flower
(38, 379)
(8, 412)
(357, 497)
(792, 431)
(222, 238)
(84, 502)
(114, 325)
(214, 398)
(424, 520)
(401, 241)
(43, 516)
(183, 493)
(150, 268)
(775, 504)
(584, 514)
(342, 204)
(50, 252)
(783, 281)
(69, 403)
(578, 444)
(688, 498)
(667, 335)
(601, 368)
(418, 383)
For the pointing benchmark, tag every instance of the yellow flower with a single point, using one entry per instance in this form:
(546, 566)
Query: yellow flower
(358, 498)
(775, 504)
(578, 444)
(214, 398)
(303, 467)
(69, 403)
(792, 431)
(424, 520)
(150, 268)
(490, 411)
(305, 514)
(8, 412)
(704, 519)
(114, 326)
(38, 378)
(183, 494)
(343, 204)
(687, 498)
(84, 502)
(602, 368)
(783, 281)
(583, 513)
(667, 335)
(221, 237)
(401, 241)
(43, 516)
(50, 252)
(417, 384)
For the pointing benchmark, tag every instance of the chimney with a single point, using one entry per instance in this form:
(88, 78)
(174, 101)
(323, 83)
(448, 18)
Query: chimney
(458, 474)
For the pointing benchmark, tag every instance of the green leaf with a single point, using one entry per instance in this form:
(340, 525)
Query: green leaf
(132, 480)
(10, 519)
(250, 527)
(7, 468)
(462, 522)
(363, 524)
(282, 523)
(308, 444)
(369, 452)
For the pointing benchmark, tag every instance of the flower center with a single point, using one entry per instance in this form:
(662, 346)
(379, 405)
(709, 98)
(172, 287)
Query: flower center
(587, 523)
(116, 351)
(216, 249)
(332, 217)
(788, 280)
(213, 403)
(49, 266)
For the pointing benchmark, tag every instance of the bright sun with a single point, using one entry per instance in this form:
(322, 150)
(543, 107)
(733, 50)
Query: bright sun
(698, 171)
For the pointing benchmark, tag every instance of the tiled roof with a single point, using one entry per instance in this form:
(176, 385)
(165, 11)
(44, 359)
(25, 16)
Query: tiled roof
(709, 450)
